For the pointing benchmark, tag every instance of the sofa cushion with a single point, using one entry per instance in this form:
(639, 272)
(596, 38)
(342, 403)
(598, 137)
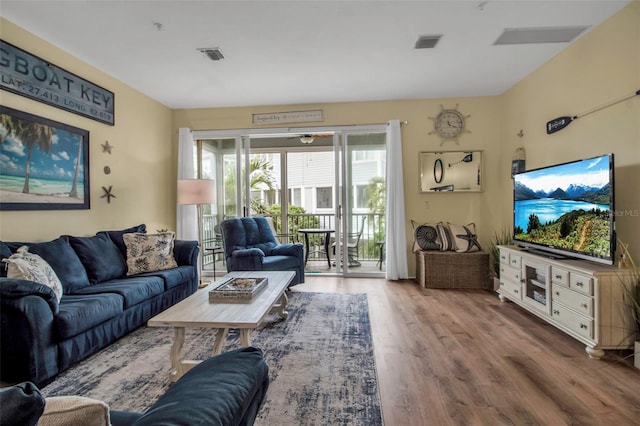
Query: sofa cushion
(116, 236)
(62, 258)
(149, 252)
(132, 289)
(280, 263)
(21, 404)
(23, 265)
(100, 256)
(173, 277)
(78, 313)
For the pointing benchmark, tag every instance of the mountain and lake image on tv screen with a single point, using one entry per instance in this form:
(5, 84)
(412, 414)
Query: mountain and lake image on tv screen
(567, 207)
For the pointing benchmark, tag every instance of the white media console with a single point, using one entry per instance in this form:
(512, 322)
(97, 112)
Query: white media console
(583, 299)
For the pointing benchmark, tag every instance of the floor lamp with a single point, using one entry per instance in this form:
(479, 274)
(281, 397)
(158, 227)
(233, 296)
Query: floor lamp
(197, 192)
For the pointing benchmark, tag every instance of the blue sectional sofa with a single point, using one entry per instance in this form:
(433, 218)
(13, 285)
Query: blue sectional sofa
(225, 390)
(40, 336)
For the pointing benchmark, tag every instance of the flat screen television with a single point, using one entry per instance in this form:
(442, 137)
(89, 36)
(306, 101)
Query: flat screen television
(566, 210)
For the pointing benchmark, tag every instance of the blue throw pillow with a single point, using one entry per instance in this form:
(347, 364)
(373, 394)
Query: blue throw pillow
(100, 257)
(116, 236)
(62, 258)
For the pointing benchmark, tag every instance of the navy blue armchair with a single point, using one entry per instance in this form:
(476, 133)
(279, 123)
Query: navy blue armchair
(249, 245)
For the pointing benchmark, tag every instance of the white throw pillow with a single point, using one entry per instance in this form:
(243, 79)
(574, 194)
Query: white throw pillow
(149, 252)
(23, 265)
(74, 411)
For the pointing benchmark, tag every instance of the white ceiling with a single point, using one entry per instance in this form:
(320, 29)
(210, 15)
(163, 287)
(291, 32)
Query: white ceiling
(297, 52)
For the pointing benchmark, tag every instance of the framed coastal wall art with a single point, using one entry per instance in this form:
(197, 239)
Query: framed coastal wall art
(450, 171)
(44, 164)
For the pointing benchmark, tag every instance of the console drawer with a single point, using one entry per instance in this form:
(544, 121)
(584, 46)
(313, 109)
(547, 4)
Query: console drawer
(581, 283)
(573, 320)
(573, 300)
(560, 276)
(515, 261)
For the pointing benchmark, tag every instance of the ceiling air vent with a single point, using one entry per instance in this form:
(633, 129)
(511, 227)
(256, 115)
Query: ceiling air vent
(427, 41)
(539, 35)
(213, 53)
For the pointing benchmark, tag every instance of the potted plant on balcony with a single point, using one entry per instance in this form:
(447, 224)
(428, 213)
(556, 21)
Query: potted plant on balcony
(502, 237)
(632, 295)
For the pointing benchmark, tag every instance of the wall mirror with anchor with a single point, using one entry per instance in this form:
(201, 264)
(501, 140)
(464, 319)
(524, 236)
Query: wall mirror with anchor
(450, 171)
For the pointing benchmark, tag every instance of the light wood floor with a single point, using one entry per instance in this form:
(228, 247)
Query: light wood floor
(456, 357)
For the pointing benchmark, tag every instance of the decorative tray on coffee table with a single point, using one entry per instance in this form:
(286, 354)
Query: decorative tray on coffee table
(237, 290)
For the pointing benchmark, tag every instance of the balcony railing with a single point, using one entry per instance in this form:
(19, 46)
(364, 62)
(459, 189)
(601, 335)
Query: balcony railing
(368, 246)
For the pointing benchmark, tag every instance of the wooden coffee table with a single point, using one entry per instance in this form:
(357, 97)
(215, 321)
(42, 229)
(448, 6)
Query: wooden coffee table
(197, 312)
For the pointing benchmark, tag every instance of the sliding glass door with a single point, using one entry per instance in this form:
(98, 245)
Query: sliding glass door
(327, 194)
(361, 177)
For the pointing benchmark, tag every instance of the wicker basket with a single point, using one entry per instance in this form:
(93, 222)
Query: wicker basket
(448, 269)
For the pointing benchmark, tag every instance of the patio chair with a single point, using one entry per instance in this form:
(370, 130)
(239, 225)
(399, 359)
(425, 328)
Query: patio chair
(281, 238)
(214, 247)
(353, 242)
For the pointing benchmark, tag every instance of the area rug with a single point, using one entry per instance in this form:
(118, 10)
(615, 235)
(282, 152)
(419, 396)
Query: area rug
(320, 359)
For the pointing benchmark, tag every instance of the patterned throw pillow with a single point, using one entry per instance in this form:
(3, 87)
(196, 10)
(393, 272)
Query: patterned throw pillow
(444, 235)
(149, 252)
(23, 265)
(464, 238)
(427, 238)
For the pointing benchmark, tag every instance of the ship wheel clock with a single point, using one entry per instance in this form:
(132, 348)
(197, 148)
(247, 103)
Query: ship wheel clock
(449, 124)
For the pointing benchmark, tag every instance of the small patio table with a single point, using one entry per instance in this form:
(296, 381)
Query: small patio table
(327, 233)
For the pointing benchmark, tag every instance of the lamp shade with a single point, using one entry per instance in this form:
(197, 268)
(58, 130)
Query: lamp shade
(196, 191)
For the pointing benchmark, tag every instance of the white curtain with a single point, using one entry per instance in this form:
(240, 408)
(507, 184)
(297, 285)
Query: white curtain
(396, 233)
(187, 215)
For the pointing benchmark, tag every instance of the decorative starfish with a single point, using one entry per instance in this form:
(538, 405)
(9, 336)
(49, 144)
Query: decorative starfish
(107, 194)
(106, 147)
(472, 239)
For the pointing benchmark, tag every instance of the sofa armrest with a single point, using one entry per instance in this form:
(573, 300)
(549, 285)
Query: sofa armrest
(11, 289)
(28, 351)
(293, 249)
(227, 389)
(245, 260)
(250, 252)
(186, 252)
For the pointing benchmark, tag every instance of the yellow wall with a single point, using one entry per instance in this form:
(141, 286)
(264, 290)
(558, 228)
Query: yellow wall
(601, 66)
(141, 162)
(453, 207)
